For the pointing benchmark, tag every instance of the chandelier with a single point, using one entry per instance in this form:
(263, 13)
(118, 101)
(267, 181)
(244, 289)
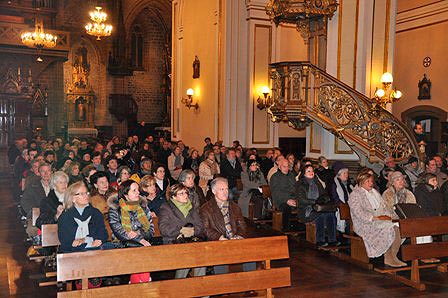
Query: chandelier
(39, 39)
(387, 94)
(98, 28)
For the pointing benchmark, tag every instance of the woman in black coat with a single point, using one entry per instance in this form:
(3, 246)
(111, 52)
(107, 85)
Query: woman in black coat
(51, 207)
(429, 196)
(309, 192)
(129, 216)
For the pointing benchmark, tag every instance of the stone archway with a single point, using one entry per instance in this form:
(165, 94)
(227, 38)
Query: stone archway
(435, 115)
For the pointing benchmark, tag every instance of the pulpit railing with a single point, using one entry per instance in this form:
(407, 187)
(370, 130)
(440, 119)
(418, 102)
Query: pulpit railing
(302, 93)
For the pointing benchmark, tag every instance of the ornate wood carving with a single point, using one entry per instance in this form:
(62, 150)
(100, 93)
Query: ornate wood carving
(303, 93)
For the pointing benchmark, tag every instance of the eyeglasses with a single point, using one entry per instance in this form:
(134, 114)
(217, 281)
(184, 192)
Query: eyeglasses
(82, 194)
(182, 193)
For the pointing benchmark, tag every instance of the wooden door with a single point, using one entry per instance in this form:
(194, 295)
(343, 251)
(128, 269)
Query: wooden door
(5, 121)
(14, 118)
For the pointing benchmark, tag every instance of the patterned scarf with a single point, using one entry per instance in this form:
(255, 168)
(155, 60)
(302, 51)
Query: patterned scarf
(225, 213)
(184, 208)
(127, 207)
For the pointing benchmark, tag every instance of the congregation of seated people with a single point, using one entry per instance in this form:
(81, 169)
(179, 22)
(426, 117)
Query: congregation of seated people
(107, 195)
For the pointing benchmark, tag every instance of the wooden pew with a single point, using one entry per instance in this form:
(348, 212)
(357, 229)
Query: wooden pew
(155, 221)
(358, 253)
(84, 265)
(277, 219)
(50, 235)
(413, 228)
(266, 192)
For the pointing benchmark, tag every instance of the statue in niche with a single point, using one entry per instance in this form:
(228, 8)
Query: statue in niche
(81, 68)
(196, 68)
(81, 109)
(424, 88)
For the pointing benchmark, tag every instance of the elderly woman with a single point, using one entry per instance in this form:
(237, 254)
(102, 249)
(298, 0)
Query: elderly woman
(372, 221)
(397, 192)
(207, 170)
(179, 218)
(80, 226)
(339, 192)
(129, 216)
(311, 192)
(186, 178)
(51, 207)
(154, 199)
(252, 180)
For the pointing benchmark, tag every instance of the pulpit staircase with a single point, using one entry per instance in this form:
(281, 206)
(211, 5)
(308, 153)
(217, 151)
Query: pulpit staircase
(302, 93)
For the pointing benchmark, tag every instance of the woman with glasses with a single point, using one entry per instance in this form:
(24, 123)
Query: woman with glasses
(179, 218)
(80, 226)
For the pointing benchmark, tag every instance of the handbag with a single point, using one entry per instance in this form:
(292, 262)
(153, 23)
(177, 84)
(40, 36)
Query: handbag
(324, 204)
(406, 210)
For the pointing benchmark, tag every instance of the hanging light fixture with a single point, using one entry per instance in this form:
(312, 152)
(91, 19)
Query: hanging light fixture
(98, 28)
(39, 39)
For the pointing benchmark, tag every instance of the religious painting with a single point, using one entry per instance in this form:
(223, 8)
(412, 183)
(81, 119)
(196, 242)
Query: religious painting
(424, 88)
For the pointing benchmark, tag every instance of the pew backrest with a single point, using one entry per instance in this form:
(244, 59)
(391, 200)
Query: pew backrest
(155, 221)
(344, 211)
(50, 235)
(84, 265)
(266, 191)
(426, 226)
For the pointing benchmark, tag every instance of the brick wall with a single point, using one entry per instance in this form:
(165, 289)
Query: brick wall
(146, 85)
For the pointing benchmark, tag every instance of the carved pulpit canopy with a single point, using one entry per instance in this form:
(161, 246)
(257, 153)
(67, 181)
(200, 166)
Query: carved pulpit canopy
(300, 12)
(290, 11)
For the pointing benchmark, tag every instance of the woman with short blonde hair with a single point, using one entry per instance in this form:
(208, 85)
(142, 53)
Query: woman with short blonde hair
(80, 226)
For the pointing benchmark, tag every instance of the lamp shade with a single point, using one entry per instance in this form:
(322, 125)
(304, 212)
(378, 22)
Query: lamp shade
(190, 91)
(265, 90)
(387, 78)
(380, 93)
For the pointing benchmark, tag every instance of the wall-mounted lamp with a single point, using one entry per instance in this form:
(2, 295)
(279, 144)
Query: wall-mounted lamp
(188, 102)
(266, 101)
(386, 95)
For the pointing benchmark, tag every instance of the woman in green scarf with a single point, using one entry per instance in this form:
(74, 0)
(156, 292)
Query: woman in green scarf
(129, 216)
(179, 218)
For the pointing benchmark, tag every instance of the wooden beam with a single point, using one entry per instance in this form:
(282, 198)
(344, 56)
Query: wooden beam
(424, 251)
(415, 227)
(193, 287)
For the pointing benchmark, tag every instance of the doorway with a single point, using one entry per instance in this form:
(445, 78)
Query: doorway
(431, 119)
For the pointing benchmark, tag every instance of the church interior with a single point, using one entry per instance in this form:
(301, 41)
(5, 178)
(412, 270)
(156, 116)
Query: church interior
(307, 132)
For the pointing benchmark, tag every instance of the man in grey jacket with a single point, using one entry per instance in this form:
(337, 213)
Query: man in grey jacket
(283, 191)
